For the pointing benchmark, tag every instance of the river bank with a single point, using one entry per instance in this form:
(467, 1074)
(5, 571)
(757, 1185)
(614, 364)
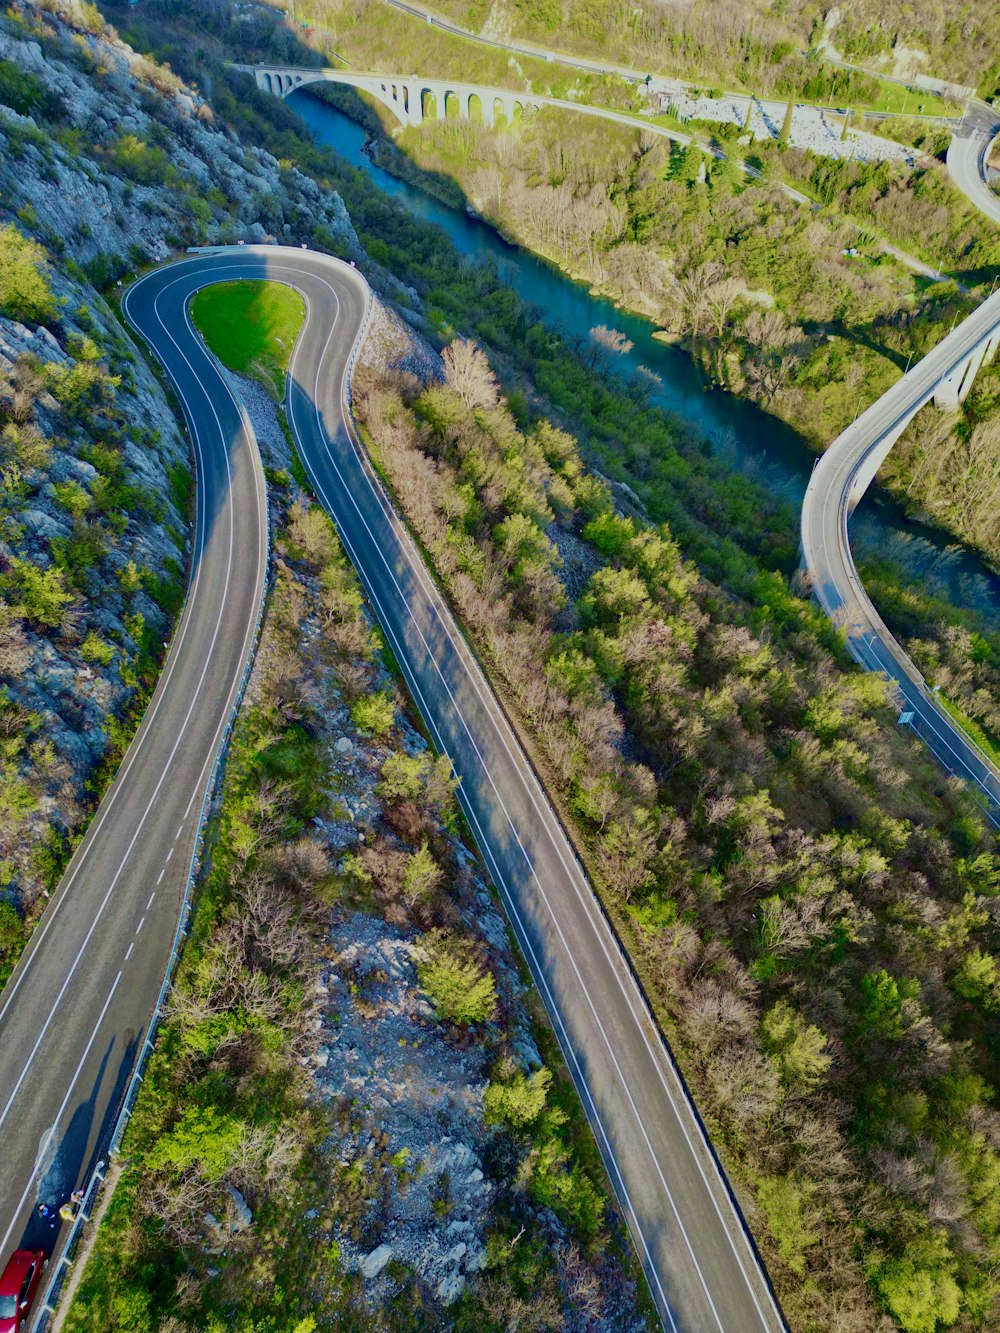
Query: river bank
(749, 440)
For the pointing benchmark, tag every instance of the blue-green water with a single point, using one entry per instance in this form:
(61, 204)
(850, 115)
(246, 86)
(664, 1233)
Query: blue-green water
(741, 434)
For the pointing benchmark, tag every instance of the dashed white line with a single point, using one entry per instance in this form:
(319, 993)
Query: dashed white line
(65, 1101)
(159, 879)
(170, 854)
(140, 925)
(131, 946)
(151, 897)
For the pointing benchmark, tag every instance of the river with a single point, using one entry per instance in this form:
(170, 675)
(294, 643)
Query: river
(744, 436)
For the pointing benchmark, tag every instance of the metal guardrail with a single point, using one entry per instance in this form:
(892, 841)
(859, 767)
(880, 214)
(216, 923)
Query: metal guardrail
(93, 1187)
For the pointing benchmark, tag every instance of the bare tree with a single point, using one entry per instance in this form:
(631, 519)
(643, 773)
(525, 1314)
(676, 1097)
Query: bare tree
(467, 371)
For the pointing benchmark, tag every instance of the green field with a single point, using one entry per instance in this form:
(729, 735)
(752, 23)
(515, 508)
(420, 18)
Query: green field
(251, 327)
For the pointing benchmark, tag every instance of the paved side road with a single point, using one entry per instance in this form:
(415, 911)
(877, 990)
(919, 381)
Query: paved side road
(701, 1268)
(75, 1010)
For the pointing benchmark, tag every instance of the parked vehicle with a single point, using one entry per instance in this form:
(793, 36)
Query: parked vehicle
(18, 1288)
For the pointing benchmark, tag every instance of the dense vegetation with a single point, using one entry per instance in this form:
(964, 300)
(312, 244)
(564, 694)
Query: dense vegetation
(811, 904)
(813, 918)
(804, 313)
(67, 430)
(229, 1100)
(760, 45)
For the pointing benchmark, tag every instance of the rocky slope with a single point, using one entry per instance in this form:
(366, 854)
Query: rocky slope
(107, 162)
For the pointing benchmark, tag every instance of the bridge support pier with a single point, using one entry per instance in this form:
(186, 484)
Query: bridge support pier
(869, 468)
(954, 388)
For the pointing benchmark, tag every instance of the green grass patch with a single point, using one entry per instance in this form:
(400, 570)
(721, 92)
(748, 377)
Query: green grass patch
(251, 327)
(908, 101)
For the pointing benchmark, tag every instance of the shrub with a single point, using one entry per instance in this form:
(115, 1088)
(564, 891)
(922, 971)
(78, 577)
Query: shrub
(135, 159)
(517, 1101)
(461, 990)
(40, 594)
(95, 649)
(25, 92)
(421, 876)
(374, 714)
(24, 284)
(73, 497)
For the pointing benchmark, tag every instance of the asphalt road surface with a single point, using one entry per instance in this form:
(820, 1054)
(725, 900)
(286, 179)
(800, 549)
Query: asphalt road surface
(701, 1267)
(86, 988)
(967, 157)
(76, 1008)
(827, 553)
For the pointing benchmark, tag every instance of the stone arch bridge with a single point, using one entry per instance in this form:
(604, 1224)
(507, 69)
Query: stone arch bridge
(411, 99)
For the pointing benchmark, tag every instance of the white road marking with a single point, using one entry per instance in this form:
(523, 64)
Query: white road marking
(11, 990)
(159, 878)
(546, 815)
(140, 925)
(65, 1101)
(178, 833)
(131, 946)
(151, 897)
(169, 855)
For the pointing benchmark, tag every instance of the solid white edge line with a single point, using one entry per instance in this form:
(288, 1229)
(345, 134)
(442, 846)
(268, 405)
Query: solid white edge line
(556, 847)
(69, 1092)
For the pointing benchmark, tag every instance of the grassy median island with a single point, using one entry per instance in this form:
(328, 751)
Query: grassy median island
(251, 327)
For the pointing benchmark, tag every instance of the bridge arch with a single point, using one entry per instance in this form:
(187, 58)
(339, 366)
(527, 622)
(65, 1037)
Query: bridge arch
(411, 101)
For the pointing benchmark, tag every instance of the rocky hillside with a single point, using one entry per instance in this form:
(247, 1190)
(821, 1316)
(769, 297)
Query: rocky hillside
(107, 162)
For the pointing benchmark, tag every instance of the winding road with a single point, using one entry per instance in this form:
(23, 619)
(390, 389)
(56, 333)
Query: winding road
(850, 464)
(967, 157)
(91, 977)
(74, 1014)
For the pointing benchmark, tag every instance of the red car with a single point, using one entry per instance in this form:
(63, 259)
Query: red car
(19, 1287)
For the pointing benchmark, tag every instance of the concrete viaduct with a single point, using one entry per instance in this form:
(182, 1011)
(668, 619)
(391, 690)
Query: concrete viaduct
(412, 100)
(839, 479)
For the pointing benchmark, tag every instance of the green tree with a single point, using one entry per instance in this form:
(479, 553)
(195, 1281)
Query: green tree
(422, 875)
(518, 1100)
(374, 714)
(203, 1138)
(977, 979)
(25, 292)
(40, 594)
(11, 937)
(882, 999)
(461, 990)
(566, 1190)
(920, 1288)
(798, 1048)
(783, 1202)
(786, 126)
(403, 776)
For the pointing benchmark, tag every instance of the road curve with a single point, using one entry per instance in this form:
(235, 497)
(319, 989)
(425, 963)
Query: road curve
(839, 478)
(74, 1014)
(967, 158)
(701, 1267)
